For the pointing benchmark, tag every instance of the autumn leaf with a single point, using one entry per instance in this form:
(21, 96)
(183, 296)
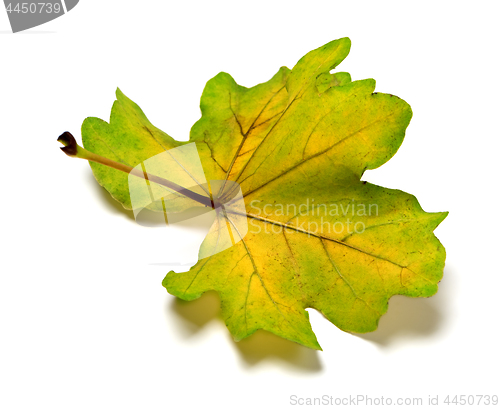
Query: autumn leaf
(317, 237)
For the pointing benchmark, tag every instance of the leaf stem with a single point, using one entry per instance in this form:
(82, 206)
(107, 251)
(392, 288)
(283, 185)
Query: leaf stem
(71, 148)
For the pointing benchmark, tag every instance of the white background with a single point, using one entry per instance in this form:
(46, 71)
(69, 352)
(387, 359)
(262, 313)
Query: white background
(84, 320)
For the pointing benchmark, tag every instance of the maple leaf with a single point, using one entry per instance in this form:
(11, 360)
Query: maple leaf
(318, 237)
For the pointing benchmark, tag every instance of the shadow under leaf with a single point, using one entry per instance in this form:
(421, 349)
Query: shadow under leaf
(197, 313)
(414, 317)
(258, 347)
(111, 204)
(263, 345)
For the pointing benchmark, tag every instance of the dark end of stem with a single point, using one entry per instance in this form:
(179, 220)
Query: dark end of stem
(70, 146)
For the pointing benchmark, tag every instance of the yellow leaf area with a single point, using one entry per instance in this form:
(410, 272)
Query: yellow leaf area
(318, 237)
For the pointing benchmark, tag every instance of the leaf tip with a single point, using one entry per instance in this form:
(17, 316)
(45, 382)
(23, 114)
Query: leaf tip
(439, 217)
(121, 97)
(346, 40)
(119, 93)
